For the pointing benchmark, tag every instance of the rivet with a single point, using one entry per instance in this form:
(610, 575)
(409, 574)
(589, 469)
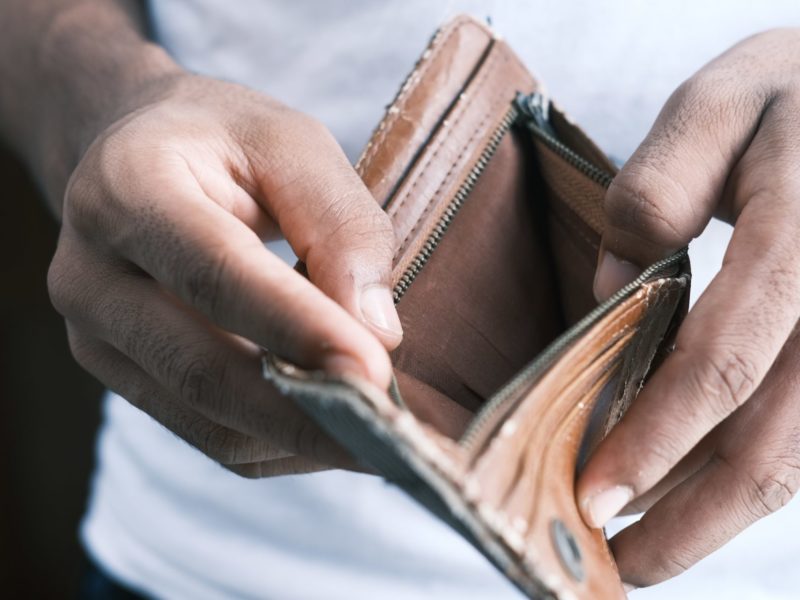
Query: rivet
(567, 549)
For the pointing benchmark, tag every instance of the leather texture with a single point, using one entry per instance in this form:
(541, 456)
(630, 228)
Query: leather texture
(509, 373)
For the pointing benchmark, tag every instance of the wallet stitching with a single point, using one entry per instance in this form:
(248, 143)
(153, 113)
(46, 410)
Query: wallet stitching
(440, 143)
(436, 49)
(414, 79)
(463, 111)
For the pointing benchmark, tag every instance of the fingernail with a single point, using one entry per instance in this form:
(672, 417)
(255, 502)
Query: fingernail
(600, 508)
(612, 274)
(628, 588)
(377, 308)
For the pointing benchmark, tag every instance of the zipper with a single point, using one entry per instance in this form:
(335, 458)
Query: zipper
(436, 235)
(531, 109)
(536, 107)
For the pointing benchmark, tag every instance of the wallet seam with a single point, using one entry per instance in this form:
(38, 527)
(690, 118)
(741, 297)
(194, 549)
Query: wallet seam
(479, 128)
(436, 49)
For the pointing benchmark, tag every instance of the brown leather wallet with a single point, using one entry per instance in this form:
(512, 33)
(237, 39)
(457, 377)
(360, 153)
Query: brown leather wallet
(509, 373)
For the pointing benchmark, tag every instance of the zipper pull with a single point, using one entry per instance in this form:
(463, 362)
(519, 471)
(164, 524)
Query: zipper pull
(535, 108)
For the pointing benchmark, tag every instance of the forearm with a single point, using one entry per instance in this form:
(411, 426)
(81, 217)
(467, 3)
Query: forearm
(69, 68)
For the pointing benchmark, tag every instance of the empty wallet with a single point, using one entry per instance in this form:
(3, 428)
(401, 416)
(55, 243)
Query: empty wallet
(509, 373)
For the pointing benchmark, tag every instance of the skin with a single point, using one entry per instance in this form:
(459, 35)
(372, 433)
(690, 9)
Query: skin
(167, 183)
(712, 443)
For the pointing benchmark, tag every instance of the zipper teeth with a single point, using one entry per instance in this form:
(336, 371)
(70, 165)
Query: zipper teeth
(433, 239)
(589, 169)
(535, 368)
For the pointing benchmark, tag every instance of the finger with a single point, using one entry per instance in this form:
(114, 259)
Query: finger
(292, 465)
(727, 343)
(213, 373)
(124, 377)
(754, 472)
(668, 191)
(688, 466)
(332, 222)
(216, 264)
(222, 184)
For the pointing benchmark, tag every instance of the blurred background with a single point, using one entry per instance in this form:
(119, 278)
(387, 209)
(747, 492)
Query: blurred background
(49, 408)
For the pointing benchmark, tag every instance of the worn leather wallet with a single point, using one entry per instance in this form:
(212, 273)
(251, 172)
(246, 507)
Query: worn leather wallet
(509, 373)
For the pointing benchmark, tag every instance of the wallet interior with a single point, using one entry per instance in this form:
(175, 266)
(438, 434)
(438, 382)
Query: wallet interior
(512, 270)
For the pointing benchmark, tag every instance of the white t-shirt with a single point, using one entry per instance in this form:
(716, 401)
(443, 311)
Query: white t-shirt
(166, 520)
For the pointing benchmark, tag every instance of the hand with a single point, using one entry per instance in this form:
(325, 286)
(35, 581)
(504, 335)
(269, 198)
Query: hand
(713, 441)
(168, 291)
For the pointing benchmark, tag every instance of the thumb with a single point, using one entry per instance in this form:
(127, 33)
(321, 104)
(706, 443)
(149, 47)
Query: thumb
(335, 227)
(667, 192)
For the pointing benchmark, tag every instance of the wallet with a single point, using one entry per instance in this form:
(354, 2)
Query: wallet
(509, 373)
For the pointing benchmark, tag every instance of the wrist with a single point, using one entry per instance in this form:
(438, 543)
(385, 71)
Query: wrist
(88, 81)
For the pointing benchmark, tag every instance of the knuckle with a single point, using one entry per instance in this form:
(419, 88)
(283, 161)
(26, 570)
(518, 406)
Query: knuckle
(772, 486)
(309, 126)
(698, 91)
(306, 439)
(642, 201)
(357, 246)
(202, 380)
(58, 287)
(663, 450)
(79, 206)
(710, 97)
(222, 444)
(284, 127)
(81, 348)
(91, 198)
(791, 92)
(675, 563)
(210, 438)
(247, 471)
(77, 279)
(359, 234)
(202, 281)
(725, 378)
(360, 225)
